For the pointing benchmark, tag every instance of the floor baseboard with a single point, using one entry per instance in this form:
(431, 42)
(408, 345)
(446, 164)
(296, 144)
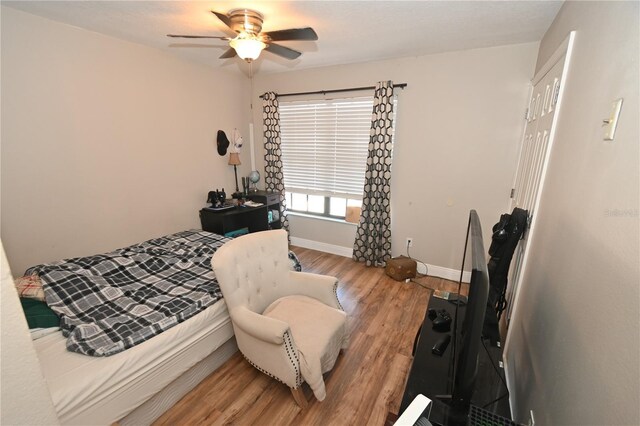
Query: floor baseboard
(432, 270)
(446, 273)
(323, 247)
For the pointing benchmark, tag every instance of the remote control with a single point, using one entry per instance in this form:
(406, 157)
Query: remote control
(441, 345)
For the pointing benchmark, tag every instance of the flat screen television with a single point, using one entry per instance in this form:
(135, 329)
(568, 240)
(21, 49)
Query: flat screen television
(468, 334)
(462, 371)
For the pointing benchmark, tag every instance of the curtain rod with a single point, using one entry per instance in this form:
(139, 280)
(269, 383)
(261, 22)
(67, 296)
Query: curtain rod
(324, 92)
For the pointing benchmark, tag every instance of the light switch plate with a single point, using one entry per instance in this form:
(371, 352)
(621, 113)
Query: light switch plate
(612, 122)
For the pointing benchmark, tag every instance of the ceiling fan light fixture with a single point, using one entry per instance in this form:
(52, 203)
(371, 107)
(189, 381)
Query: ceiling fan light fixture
(248, 47)
(249, 40)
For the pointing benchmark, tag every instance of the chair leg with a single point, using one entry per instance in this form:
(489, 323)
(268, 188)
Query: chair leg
(298, 396)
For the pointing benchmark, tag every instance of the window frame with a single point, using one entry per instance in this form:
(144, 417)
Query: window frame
(327, 194)
(327, 205)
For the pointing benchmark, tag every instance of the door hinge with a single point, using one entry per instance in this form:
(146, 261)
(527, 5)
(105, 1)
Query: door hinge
(513, 192)
(526, 114)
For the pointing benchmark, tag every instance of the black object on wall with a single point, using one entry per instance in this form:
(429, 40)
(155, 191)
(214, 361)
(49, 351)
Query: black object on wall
(506, 234)
(222, 143)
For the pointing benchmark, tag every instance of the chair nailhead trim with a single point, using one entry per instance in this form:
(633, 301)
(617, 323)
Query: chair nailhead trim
(293, 357)
(335, 293)
(288, 344)
(263, 370)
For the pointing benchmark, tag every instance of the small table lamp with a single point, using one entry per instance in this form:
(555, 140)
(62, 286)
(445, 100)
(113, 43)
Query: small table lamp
(234, 160)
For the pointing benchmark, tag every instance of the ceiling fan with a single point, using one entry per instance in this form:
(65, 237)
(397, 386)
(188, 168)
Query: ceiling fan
(247, 40)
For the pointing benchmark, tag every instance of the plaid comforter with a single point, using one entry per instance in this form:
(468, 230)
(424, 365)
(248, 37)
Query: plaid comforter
(113, 301)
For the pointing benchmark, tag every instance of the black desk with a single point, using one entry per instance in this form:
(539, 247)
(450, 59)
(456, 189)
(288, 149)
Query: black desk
(254, 218)
(221, 222)
(431, 375)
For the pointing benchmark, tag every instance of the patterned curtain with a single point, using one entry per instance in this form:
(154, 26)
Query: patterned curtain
(273, 180)
(373, 237)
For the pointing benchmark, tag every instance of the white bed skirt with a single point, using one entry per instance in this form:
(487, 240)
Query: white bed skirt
(151, 410)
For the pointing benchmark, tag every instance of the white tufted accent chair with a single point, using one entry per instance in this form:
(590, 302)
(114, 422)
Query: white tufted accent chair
(289, 325)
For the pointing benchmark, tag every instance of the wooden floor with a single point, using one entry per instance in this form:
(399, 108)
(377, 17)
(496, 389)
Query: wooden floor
(368, 379)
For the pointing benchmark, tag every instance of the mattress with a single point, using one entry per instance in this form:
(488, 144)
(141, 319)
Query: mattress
(102, 390)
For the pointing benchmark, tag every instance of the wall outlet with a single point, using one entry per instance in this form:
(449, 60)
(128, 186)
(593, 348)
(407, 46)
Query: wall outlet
(532, 420)
(409, 242)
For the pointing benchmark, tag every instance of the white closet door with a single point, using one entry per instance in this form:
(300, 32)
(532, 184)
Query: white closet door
(536, 138)
(534, 155)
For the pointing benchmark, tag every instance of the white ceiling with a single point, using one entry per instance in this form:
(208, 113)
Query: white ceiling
(348, 31)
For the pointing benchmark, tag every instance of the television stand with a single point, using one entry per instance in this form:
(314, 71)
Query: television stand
(432, 375)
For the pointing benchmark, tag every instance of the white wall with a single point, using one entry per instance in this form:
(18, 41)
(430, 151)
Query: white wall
(460, 121)
(573, 343)
(24, 395)
(104, 142)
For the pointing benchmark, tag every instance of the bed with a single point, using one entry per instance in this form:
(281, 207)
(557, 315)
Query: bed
(136, 385)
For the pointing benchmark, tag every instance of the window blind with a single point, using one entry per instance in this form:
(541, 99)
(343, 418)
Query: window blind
(324, 145)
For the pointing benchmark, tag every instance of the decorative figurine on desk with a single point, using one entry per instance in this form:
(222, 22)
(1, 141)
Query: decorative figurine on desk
(216, 198)
(254, 177)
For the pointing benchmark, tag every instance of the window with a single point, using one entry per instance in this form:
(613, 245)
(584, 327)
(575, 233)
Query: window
(324, 152)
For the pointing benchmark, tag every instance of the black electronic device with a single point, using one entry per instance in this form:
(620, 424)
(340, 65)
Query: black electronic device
(441, 345)
(506, 235)
(442, 322)
(468, 335)
(462, 374)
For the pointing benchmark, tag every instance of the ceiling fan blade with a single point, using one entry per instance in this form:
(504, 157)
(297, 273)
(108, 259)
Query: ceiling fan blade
(225, 19)
(230, 53)
(195, 45)
(196, 36)
(285, 52)
(292, 34)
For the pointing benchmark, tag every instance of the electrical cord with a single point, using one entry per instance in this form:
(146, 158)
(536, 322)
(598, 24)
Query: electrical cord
(419, 275)
(493, 364)
(495, 400)
(420, 284)
(499, 376)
